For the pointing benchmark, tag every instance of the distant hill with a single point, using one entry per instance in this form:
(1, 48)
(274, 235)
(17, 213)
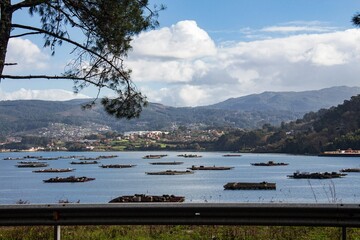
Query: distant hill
(253, 111)
(299, 102)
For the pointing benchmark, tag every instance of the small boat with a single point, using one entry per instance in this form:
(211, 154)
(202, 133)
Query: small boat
(193, 167)
(170, 172)
(269, 163)
(54, 170)
(70, 179)
(117, 166)
(166, 163)
(250, 186)
(147, 198)
(32, 165)
(350, 170)
(85, 162)
(316, 175)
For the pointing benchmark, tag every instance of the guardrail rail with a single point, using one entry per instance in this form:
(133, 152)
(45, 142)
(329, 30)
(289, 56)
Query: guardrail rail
(272, 214)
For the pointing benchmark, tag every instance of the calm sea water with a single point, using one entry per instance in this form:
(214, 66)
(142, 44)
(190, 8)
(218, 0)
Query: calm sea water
(202, 186)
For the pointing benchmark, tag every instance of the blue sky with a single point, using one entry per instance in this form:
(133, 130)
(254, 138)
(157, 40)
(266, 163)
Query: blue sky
(206, 51)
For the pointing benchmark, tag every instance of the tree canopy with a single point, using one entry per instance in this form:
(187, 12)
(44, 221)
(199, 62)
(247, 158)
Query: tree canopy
(107, 26)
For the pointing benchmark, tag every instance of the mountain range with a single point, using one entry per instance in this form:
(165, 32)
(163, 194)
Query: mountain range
(248, 112)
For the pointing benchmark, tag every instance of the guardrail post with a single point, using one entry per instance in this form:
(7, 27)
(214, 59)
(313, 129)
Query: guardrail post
(57, 229)
(343, 233)
(57, 232)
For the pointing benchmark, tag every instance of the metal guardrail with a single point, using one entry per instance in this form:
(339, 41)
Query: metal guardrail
(273, 214)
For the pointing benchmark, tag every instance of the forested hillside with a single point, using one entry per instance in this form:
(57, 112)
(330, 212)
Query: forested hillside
(331, 129)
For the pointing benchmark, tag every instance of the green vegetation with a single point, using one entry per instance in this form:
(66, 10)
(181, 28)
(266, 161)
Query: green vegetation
(331, 129)
(178, 233)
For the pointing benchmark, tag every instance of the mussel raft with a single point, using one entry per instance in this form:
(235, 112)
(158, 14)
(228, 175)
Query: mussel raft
(250, 186)
(32, 165)
(316, 175)
(54, 170)
(157, 156)
(193, 167)
(166, 163)
(85, 162)
(269, 164)
(147, 198)
(117, 166)
(70, 179)
(170, 172)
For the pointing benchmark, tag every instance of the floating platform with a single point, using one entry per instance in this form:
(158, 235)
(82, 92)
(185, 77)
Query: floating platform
(269, 164)
(250, 186)
(170, 172)
(98, 157)
(32, 165)
(70, 179)
(117, 166)
(85, 162)
(12, 158)
(193, 167)
(341, 153)
(166, 163)
(189, 155)
(316, 175)
(147, 198)
(48, 158)
(350, 170)
(54, 170)
(232, 155)
(157, 156)
(31, 162)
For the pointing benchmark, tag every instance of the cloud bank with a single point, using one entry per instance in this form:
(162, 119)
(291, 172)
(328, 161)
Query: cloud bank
(49, 94)
(181, 65)
(192, 70)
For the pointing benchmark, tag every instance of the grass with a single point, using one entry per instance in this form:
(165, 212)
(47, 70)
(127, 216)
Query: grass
(178, 233)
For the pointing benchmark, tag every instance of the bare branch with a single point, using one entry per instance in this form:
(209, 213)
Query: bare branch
(25, 34)
(50, 77)
(26, 3)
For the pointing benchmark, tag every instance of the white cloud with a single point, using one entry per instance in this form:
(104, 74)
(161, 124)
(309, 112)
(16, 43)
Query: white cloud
(26, 54)
(300, 26)
(49, 94)
(182, 40)
(292, 63)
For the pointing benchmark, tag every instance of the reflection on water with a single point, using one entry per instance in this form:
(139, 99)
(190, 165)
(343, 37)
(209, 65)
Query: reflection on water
(202, 186)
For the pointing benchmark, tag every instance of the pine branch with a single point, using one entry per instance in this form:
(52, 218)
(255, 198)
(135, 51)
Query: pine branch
(125, 78)
(50, 77)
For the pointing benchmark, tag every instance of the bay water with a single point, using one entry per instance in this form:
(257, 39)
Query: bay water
(203, 186)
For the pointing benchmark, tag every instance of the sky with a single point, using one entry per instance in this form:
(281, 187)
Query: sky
(206, 51)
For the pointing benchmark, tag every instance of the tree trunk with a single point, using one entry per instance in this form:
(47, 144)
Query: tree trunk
(5, 29)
